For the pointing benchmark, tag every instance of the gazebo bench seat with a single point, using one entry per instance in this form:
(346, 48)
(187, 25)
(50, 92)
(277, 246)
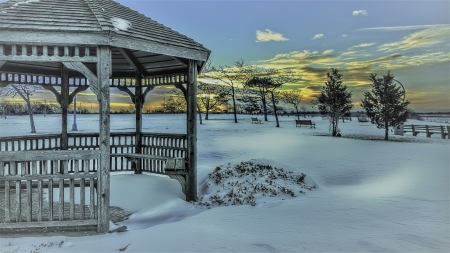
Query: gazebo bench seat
(173, 165)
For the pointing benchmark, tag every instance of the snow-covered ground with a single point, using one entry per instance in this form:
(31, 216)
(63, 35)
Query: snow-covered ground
(370, 195)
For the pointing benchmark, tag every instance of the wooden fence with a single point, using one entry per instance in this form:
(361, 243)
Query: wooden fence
(428, 130)
(33, 187)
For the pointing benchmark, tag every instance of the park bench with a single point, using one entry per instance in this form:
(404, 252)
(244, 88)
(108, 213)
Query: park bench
(256, 121)
(172, 164)
(363, 119)
(305, 122)
(175, 168)
(428, 130)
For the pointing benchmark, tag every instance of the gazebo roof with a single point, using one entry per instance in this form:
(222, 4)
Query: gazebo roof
(137, 41)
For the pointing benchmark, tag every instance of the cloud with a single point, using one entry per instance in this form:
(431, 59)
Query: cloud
(344, 35)
(360, 12)
(361, 46)
(423, 38)
(423, 46)
(317, 36)
(415, 60)
(403, 28)
(269, 35)
(327, 52)
(299, 58)
(364, 45)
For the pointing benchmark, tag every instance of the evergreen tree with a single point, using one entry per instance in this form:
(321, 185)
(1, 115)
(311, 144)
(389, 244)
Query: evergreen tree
(334, 100)
(250, 104)
(385, 105)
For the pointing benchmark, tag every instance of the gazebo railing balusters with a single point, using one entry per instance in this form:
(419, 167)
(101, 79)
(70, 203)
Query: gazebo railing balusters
(169, 145)
(24, 171)
(45, 51)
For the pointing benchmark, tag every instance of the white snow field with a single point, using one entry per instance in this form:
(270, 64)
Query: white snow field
(370, 195)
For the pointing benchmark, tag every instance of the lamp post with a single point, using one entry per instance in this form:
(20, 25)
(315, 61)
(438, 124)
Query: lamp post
(74, 126)
(45, 108)
(91, 107)
(399, 130)
(404, 90)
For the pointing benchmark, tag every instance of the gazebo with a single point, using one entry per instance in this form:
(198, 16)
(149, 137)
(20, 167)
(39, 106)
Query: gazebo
(97, 44)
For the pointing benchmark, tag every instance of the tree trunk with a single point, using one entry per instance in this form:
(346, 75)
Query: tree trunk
(234, 105)
(207, 108)
(275, 110)
(263, 99)
(334, 123)
(386, 130)
(30, 113)
(298, 113)
(199, 114)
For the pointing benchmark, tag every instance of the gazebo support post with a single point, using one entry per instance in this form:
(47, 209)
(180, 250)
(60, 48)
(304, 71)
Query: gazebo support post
(64, 106)
(191, 132)
(103, 75)
(138, 104)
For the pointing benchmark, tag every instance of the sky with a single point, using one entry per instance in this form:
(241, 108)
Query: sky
(409, 38)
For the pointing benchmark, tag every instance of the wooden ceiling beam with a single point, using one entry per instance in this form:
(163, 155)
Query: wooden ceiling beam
(13, 67)
(133, 61)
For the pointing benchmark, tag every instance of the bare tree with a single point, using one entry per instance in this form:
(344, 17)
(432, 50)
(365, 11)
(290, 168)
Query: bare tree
(178, 96)
(265, 82)
(228, 76)
(304, 111)
(25, 92)
(210, 96)
(293, 97)
(175, 103)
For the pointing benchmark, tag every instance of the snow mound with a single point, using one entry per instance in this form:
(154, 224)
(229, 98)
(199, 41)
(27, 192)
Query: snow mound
(251, 183)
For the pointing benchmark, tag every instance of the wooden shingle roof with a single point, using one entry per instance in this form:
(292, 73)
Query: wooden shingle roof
(99, 22)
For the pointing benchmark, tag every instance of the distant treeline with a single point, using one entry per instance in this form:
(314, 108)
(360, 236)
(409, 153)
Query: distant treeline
(11, 108)
(14, 108)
